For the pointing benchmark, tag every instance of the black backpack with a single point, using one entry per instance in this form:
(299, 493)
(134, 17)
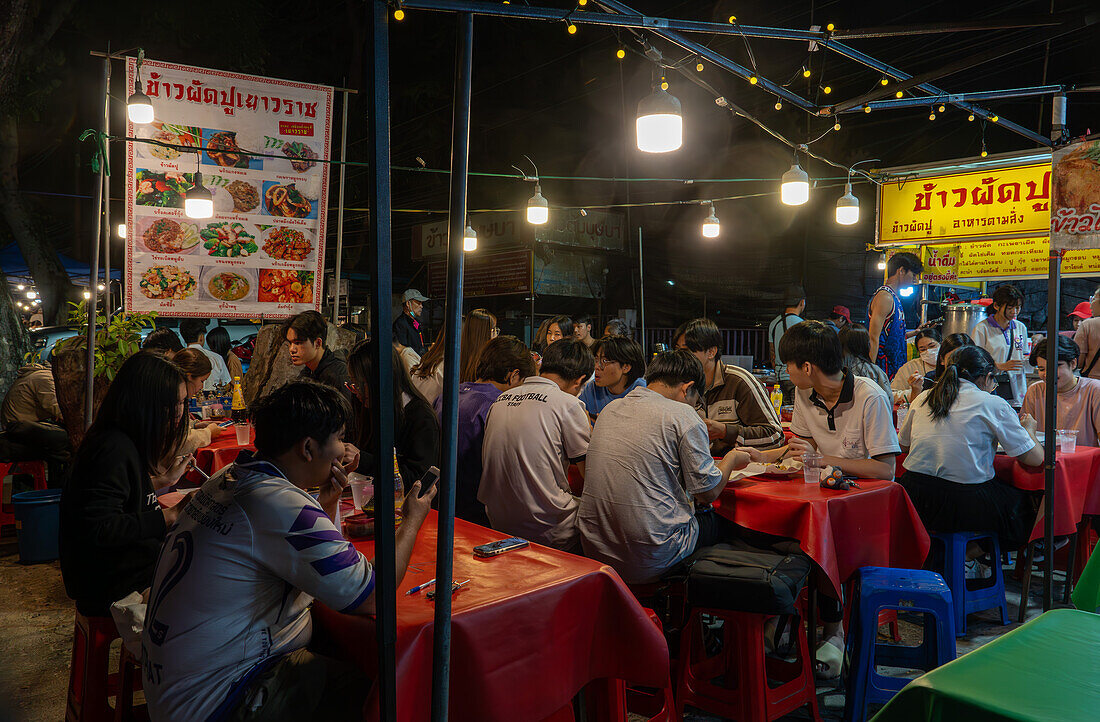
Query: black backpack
(741, 577)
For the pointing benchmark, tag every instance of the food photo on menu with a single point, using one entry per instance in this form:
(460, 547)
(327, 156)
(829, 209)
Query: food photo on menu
(170, 135)
(167, 282)
(287, 201)
(286, 243)
(283, 286)
(229, 286)
(162, 189)
(168, 235)
(220, 148)
(225, 239)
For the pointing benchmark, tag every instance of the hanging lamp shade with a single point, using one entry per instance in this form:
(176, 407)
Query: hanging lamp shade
(795, 189)
(847, 207)
(538, 210)
(660, 124)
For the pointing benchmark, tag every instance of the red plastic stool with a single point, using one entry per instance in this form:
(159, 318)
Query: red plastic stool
(8, 469)
(747, 670)
(129, 682)
(656, 705)
(91, 685)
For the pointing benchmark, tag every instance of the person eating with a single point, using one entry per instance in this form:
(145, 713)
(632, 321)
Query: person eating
(620, 368)
(196, 370)
(1078, 396)
(927, 342)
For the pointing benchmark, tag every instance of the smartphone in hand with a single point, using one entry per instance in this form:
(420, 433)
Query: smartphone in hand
(431, 476)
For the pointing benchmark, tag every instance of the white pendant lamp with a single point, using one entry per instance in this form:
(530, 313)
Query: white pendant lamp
(847, 207)
(198, 202)
(795, 189)
(139, 109)
(469, 239)
(711, 227)
(660, 124)
(538, 210)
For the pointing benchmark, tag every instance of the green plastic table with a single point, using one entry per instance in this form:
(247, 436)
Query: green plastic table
(1048, 669)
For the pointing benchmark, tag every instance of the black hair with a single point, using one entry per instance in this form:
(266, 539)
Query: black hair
(193, 363)
(503, 355)
(700, 334)
(617, 327)
(624, 351)
(361, 362)
(927, 333)
(162, 339)
(568, 358)
(308, 326)
(793, 296)
(217, 340)
(949, 344)
(565, 325)
(1068, 351)
(1005, 295)
(855, 340)
(295, 411)
(583, 318)
(972, 363)
(812, 342)
(143, 403)
(908, 261)
(192, 328)
(678, 366)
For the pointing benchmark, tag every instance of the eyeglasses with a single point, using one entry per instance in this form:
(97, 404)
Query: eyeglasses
(601, 361)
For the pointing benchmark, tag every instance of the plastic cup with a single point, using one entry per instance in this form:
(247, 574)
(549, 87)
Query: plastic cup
(812, 463)
(1067, 440)
(362, 489)
(244, 432)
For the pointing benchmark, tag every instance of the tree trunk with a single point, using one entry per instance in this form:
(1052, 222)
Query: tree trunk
(50, 277)
(15, 342)
(69, 366)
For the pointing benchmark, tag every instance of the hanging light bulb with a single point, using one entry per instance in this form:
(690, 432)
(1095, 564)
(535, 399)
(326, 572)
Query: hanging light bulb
(398, 14)
(100, 287)
(711, 227)
(932, 114)
(882, 264)
(866, 109)
(699, 67)
(970, 117)
(753, 80)
(20, 287)
(805, 72)
(87, 295)
(538, 210)
(620, 53)
(899, 94)
(994, 118)
(778, 105)
(571, 29)
(469, 239)
(942, 108)
(836, 125)
(31, 295)
(198, 202)
(885, 81)
(139, 109)
(827, 89)
(121, 230)
(795, 189)
(660, 126)
(847, 207)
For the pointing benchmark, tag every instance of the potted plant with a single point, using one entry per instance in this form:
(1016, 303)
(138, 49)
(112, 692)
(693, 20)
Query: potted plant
(116, 340)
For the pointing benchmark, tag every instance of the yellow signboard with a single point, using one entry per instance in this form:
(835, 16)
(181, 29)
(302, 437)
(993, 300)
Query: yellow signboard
(994, 203)
(1005, 258)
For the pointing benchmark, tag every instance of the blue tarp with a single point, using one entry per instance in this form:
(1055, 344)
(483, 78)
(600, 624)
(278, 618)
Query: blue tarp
(15, 267)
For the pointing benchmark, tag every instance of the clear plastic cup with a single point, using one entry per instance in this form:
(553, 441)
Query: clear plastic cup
(244, 432)
(1067, 440)
(812, 464)
(362, 489)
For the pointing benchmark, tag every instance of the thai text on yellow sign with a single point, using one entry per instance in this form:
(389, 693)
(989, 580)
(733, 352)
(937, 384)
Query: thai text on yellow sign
(949, 263)
(1009, 202)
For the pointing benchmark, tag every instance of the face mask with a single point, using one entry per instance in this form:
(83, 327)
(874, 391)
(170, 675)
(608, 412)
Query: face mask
(930, 356)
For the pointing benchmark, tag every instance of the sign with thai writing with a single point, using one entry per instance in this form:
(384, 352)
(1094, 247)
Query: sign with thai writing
(594, 229)
(489, 274)
(495, 231)
(988, 260)
(262, 254)
(1009, 202)
(1075, 217)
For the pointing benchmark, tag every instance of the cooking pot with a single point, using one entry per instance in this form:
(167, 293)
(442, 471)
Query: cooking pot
(961, 318)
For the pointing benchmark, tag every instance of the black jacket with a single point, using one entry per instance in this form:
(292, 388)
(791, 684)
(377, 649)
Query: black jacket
(406, 334)
(111, 524)
(332, 370)
(416, 443)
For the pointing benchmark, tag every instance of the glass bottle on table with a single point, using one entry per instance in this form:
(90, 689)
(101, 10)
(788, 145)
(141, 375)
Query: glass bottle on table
(239, 414)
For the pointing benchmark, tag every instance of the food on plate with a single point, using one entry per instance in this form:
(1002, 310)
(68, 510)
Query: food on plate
(228, 240)
(286, 201)
(172, 135)
(227, 286)
(223, 150)
(1077, 178)
(286, 286)
(245, 196)
(167, 282)
(289, 244)
(302, 157)
(165, 235)
(164, 190)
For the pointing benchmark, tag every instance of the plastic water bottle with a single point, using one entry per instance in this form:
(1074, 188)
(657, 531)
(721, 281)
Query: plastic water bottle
(776, 397)
(903, 410)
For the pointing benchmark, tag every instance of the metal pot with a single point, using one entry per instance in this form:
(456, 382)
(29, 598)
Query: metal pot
(961, 318)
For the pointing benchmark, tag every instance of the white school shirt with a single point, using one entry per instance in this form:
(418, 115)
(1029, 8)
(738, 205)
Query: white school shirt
(960, 446)
(219, 373)
(860, 426)
(532, 434)
(993, 340)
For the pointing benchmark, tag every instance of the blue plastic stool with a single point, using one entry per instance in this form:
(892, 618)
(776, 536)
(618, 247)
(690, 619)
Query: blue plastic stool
(967, 600)
(905, 590)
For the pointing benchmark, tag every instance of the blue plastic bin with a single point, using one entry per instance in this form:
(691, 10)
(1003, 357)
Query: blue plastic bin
(37, 519)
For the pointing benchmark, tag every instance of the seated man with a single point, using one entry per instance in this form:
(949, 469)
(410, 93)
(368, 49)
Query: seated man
(1078, 397)
(31, 418)
(504, 363)
(306, 334)
(533, 433)
(734, 405)
(649, 462)
(228, 618)
(620, 367)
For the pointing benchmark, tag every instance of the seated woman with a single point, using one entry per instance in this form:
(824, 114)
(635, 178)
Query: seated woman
(927, 342)
(478, 328)
(925, 383)
(856, 343)
(950, 434)
(416, 437)
(111, 524)
(552, 329)
(196, 368)
(217, 340)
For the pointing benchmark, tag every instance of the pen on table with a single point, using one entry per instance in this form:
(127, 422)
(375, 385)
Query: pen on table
(418, 588)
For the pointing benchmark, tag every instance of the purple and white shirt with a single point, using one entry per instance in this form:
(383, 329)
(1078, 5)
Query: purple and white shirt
(233, 585)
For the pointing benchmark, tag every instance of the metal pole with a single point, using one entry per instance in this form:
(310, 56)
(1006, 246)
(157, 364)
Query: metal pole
(532, 333)
(641, 291)
(445, 541)
(340, 210)
(89, 381)
(107, 308)
(377, 76)
(1054, 295)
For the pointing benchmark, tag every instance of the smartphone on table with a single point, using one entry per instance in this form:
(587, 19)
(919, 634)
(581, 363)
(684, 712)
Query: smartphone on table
(497, 548)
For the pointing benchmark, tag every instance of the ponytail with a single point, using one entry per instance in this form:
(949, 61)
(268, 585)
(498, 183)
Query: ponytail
(944, 393)
(968, 363)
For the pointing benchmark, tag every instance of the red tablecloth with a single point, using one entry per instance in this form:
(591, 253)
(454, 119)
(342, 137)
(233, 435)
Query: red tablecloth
(532, 628)
(221, 452)
(875, 525)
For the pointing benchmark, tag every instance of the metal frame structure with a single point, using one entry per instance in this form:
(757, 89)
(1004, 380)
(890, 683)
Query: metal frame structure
(614, 14)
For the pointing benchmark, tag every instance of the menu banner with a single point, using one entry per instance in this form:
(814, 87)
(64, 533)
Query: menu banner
(1012, 202)
(1017, 258)
(1075, 217)
(262, 254)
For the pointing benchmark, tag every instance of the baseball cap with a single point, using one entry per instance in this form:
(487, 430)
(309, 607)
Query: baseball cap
(1081, 310)
(843, 311)
(413, 295)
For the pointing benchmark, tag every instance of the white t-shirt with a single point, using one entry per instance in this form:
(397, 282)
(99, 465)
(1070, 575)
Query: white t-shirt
(532, 434)
(993, 340)
(219, 373)
(776, 329)
(430, 387)
(861, 425)
(960, 446)
(233, 585)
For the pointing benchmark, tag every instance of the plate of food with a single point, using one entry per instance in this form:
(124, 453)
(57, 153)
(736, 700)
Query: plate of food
(287, 244)
(245, 196)
(222, 150)
(167, 235)
(163, 190)
(226, 239)
(170, 134)
(227, 285)
(301, 156)
(286, 201)
(285, 286)
(782, 469)
(167, 282)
